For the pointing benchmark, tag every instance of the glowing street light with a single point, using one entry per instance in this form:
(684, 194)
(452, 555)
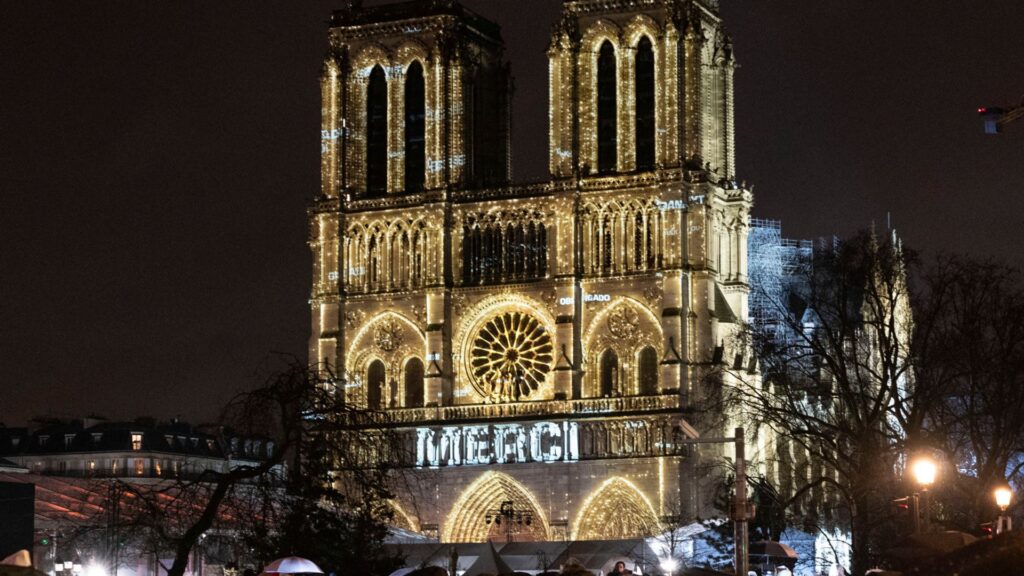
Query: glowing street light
(1003, 497)
(925, 469)
(95, 569)
(668, 565)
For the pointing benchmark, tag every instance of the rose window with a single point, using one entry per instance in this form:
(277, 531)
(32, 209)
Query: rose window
(510, 357)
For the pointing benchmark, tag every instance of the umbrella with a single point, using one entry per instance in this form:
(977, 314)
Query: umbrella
(768, 554)
(20, 558)
(770, 549)
(292, 565)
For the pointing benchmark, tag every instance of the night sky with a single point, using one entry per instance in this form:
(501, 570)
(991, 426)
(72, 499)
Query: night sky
(157, 159)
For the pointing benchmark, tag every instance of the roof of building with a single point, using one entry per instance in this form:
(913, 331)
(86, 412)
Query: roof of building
(8, 466)
(94, 435)
(62, 502)
(353, 13)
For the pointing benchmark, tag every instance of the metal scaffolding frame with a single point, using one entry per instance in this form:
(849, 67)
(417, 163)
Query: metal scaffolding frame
(774, 264)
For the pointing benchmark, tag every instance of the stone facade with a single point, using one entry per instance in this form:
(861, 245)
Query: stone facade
(533, 343)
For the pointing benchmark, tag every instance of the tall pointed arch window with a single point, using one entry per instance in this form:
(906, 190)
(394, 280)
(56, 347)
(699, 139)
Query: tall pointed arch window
(609, 373)
(647, 371)
(607, 110)
(375, 385)
(644, 108)
(377, 133)
(415, 128)
(413, 383)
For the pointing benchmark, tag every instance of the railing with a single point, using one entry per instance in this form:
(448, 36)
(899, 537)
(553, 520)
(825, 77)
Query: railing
(512, 410)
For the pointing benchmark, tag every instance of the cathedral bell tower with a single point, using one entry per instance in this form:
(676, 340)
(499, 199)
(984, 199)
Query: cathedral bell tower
(415, 106)
(641, 111)
(415, 97)
(637, 85)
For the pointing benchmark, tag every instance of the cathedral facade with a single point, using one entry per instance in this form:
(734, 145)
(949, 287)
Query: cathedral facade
(534, 346)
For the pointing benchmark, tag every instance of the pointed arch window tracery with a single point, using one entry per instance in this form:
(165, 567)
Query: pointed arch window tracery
(607, 110)
(647, 371)
(609, 374)
(413, 383)
(644, 137)
(376, 385)
(415, 128)
(377, 133)
(496, 251)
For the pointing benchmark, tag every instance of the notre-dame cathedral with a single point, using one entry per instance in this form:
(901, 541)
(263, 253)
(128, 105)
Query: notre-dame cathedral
(534, 345)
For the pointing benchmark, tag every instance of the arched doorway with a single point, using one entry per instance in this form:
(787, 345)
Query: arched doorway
(472, 517)
(615, 510)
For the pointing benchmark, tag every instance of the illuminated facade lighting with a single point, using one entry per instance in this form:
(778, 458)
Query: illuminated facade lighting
(531, 343)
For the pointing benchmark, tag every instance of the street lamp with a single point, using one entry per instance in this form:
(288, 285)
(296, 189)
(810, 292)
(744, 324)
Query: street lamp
(925, 470)
(1003, 497)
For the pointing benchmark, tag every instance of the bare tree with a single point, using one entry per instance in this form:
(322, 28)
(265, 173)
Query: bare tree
(974, 351)
(838, 384)
(321, 456)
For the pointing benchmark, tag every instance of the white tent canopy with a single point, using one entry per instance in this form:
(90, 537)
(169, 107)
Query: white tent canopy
(292, 565)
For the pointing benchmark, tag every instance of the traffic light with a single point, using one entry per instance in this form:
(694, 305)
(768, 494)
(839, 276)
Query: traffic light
(44, 541)
(907, 507)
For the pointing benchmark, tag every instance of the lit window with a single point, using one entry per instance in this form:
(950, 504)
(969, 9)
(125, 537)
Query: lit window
(136, 441)
(140, 466)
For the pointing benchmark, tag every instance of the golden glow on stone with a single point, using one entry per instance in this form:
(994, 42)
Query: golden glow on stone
(473, 322)
(388, 285)
(402, 519)
(466, 522)
(615, 510)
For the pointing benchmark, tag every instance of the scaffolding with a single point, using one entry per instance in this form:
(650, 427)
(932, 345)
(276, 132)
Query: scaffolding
(775, 264)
